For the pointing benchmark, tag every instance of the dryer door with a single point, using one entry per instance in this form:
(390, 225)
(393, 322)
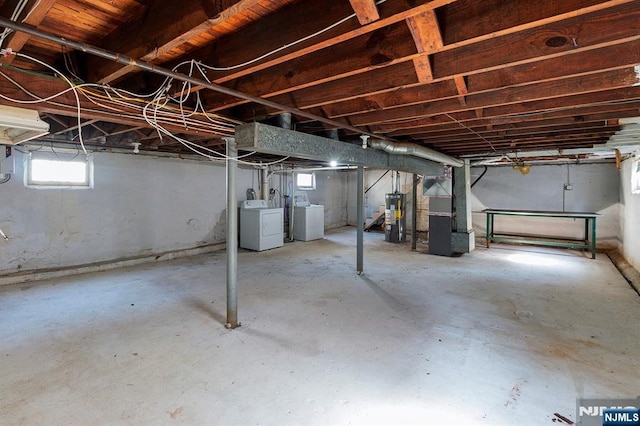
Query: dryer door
(272, 223)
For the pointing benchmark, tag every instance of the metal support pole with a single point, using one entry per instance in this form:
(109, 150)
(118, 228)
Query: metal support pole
(146, 66)
(292, 205)
(264, 184)
(360, 221)
(414, 213)
(232, 236)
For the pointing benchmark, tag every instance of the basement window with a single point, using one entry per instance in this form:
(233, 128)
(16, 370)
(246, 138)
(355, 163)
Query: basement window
(59, 170)
(305, 181)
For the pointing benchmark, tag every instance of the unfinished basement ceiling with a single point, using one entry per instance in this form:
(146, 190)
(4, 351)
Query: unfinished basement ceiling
(463, 77)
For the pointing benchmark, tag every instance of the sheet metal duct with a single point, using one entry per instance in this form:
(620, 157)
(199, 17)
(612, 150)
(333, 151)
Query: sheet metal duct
(403, 148)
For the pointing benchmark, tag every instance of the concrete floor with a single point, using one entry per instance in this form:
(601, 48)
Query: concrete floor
(504, 336)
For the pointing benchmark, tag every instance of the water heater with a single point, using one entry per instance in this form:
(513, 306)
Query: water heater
(395, 218)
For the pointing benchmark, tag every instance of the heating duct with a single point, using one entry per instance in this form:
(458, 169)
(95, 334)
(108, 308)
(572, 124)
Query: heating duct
(404, 148)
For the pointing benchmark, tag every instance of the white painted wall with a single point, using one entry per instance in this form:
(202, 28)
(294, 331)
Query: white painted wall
(629, 217)
(375, 196)
(332, 192)
(595, 189)
(139, 205)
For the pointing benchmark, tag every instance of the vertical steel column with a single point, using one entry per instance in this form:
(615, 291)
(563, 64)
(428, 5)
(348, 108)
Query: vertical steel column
(414, 213)
(292, 205)
(593, 237)
(232, 236)
(360, 220)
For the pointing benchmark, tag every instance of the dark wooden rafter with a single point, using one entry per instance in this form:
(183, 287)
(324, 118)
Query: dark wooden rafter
(547, 69)
(38, 11)
(427, 38)
(167, 25)
(65, 105)
(495, 54)
(458, 75)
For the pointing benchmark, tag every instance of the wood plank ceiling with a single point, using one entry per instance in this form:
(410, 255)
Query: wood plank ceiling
(465, 77)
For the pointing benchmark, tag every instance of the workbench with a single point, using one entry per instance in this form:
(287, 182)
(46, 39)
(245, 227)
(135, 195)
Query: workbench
(586, 243)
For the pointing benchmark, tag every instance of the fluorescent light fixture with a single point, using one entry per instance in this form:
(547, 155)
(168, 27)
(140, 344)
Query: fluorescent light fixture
(18, 125)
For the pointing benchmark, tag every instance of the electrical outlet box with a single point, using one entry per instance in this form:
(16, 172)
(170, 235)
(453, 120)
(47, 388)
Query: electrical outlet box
(7, 161)
(568, 187)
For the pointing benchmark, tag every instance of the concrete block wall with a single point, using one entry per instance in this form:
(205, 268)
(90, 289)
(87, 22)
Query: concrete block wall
(629, 244)
(139, 206)
(374, 198)
(595, 189)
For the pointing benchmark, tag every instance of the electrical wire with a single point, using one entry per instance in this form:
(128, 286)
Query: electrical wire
(472, 131)
(286, 46)
(17, 11)
(161, 110)
(73, 87)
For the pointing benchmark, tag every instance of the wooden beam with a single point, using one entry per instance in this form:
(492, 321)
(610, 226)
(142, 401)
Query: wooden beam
(293, 23)
(366, 11)
(168, 25)
(16, 41)
(426, 32)
(543, 12)
(465, 135)
(65, 104)
(461, 85)
(426, 36)
(442, 122)
(375, 50)
(599, 29)
(69, 129)
(274, 81)
(422, 66)
(468, 22)
(595, 82)
(549, 120)
(579, 63)
(492, 55)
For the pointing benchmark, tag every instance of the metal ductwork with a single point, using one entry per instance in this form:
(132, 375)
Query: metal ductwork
(403, 148)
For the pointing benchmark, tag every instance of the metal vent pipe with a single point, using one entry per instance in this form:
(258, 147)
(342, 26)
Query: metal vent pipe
(404, 148)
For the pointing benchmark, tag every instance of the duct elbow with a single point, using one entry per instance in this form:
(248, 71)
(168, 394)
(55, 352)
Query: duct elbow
(401, 148)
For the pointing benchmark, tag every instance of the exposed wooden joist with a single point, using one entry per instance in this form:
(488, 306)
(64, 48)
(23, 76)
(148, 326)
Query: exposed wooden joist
(374, 50)
(263, 86)
(366, 11)
(426, 36)
(499, 54)
(483, 126)
(591, 83)
(547, 132)
(16, 41)
(167, 25)
(579, 63)
(300, 20)
(72, 128)
(423, 69)
(461, 86)
(65, 104)
(426, 32)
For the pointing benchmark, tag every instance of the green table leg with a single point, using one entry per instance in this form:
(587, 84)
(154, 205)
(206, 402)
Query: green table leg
(593, 238)
(488, 232)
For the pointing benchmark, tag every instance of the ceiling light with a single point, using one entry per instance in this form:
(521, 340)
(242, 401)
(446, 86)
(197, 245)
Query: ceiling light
(333, 163)
(523, 168)
(19, 125)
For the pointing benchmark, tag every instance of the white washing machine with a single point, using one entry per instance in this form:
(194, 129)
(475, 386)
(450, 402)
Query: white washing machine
(308, 219)
(261, 227)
